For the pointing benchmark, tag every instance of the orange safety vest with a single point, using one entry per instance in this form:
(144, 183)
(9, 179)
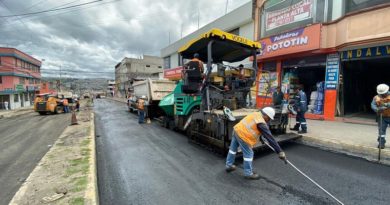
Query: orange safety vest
(380, 101)
(141, 104)
(247, 130)
(65, 102)
(200, 64)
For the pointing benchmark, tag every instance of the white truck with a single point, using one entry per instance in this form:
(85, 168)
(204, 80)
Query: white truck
(154, 90)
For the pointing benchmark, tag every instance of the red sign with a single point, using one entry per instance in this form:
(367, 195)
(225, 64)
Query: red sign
(294, 13)
(173, 73)
(298, 40)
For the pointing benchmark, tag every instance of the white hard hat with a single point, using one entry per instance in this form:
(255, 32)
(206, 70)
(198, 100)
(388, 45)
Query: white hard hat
(269, 111)
(143, 97)
(382, 89)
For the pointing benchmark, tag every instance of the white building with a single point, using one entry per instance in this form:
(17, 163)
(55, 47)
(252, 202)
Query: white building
(238, 21)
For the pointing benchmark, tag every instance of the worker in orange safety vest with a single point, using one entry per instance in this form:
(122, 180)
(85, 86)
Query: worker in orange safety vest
(246, 134)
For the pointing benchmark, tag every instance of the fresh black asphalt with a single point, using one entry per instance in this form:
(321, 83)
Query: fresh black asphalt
(148, 164)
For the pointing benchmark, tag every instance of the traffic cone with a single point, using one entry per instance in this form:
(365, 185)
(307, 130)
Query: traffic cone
(73, 119)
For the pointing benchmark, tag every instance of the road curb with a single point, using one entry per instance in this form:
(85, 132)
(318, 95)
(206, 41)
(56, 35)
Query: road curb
(92, 192)
(368, 153)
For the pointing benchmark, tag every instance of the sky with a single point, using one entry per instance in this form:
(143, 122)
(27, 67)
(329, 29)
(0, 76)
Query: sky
(88, 41)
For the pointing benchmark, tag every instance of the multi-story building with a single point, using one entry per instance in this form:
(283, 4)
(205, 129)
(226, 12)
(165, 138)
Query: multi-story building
(238, 22)
(20, 78)
(110, 88)
(130, 68)
(337, 50)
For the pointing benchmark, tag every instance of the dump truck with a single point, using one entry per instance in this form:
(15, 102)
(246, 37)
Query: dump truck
(154, 90)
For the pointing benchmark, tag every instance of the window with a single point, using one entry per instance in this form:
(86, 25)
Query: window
(21, 80)
(31, 81)
(16, 97)
(148, 66)
(1, 79)
(355, 5)
(25, 97)
(167, 62)
(159, 66)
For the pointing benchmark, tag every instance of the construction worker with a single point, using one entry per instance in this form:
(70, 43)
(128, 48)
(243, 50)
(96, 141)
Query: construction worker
(200, 63)
(66, 105)
(246, 134)
(141, 109)
(381, 105)
(300, 105)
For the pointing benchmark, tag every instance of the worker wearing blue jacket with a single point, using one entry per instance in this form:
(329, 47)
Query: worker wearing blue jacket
(300, 105)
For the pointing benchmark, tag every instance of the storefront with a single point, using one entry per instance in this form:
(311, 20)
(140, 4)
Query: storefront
(362, 70)
(294, 59)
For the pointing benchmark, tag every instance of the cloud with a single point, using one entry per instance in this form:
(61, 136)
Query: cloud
(94, 38)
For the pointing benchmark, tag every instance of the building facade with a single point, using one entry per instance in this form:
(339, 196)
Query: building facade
(20, 78)
(130, 68)
(111, 88)
(337, 51)
(238, 22)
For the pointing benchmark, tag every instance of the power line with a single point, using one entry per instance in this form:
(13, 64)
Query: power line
(50, 10)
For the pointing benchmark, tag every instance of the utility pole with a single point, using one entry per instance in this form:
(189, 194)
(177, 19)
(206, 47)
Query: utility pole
(227, 2)
(60, 77)
(198, 17)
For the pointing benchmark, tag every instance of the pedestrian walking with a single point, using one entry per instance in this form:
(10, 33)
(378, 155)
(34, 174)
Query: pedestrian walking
(246, 134)
(6, 105)
(381, 105)
(141, 109)
(300, 105)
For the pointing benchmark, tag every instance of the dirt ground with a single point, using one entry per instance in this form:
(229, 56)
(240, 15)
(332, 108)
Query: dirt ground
(64, 173)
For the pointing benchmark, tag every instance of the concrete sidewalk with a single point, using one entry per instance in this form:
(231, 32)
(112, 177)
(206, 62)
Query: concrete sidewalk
(16, 112)
(352, 139)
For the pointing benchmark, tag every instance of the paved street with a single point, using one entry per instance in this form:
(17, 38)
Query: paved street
(24, 141)
(147, 164)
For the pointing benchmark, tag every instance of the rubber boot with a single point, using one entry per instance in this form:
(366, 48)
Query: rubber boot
(381, 142)
(296, 127)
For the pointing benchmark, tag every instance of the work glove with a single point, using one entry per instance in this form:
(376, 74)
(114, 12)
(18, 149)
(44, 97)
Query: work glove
(282, 156)
(381, 109)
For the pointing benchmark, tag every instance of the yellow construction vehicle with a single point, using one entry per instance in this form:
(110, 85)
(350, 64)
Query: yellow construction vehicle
(47, 103)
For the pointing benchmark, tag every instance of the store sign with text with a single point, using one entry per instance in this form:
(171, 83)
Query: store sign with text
(173, 73)
(291, 14)
(299, 40)
(19, 87)
(332, 72)
(378, 51)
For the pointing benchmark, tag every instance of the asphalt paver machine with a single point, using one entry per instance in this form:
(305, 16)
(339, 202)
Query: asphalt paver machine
(207, 105)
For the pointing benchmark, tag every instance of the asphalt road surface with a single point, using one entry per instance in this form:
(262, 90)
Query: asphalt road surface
(148, 164)
(24, 140)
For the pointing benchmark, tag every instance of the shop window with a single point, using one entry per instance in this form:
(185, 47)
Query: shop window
(268, 81)
(16, 98)
(355, 5)
(21, 80)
